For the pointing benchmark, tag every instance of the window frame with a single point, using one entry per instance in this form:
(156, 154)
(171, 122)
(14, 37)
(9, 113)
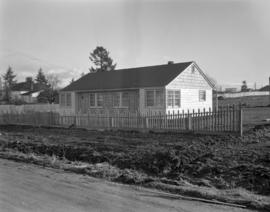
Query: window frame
(64, 97)
(202, 95)
(173, 99)
(120, 99)
(161, 100)
(96, 95)
(118, 95)
(90, 101)
(68, 100)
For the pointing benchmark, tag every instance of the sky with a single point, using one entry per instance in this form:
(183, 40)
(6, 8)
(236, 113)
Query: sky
(228, 39)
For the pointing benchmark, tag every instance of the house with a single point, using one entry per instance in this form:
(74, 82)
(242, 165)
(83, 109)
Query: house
(265, 88)
(165, 88)
(30, 96)
(27, 91)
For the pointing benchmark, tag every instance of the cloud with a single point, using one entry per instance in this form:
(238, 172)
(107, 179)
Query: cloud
(25, 65)
(65, 75)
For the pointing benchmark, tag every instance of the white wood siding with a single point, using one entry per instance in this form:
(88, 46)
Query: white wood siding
(190, 82)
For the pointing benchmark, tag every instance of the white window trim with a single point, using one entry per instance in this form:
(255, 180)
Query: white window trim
(96, 106)
(155, 98)
(67, 100)
(167, 96)
(202, 100)
(120, 100)
(64, 104)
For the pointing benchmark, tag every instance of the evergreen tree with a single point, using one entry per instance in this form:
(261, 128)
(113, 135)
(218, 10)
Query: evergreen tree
(101, 59)
(9, 81)
(41, 78)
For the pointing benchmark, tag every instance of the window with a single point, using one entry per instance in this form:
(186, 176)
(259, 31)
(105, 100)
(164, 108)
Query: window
(116, 99)
(150, 98)
(159, 98)
(68, 100)
(125, 99)
(120, 99)
(170, 99)
(177, 99)
(65, 99)
(92, 99)
(193, 69)
(96, 100)
(62, 99)
(202, 95)
(99, 99)
(173, 98)
(154, 98)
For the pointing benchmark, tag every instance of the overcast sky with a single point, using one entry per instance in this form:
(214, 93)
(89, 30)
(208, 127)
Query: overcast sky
(229, 39)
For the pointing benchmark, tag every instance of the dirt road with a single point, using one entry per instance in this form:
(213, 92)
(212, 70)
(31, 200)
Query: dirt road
(26, 187)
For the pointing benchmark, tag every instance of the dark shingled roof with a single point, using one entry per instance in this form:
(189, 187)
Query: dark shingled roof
(150, 76)
(265, 88)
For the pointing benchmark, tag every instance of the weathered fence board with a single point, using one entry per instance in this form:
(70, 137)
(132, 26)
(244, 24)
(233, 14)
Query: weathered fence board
(224, 120)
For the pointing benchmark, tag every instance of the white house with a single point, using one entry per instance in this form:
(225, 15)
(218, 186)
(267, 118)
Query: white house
(165, 88)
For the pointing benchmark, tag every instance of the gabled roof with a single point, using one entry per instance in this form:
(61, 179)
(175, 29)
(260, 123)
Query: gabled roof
(26, 86)
(142, 77)
(21, 86)
(150, 76)
(265, 88)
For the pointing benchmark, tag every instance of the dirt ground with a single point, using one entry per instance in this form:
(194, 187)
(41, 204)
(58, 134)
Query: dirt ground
(219, 162)
(26, 187)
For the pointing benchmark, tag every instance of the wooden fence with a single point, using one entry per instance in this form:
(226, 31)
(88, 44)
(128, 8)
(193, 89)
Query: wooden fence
(224, 120)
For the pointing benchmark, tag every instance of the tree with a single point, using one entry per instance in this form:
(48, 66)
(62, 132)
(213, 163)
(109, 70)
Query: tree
(50, 95)
(53, 81)
(244, 87)
(101, 59)
(41, 78)
(9, 82)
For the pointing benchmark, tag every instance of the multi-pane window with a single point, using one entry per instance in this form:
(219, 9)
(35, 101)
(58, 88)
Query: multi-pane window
(62, 99)
(92, 99)
(177, 98)
(65, 99)
(116, 99)
(159, 99)
(68, 100)
(154, 98)
(170, 98)
(202, 95)
(125, 99)
(99, 99)
(150, 98)
(173, 98)
(120, 99)
(96, 100)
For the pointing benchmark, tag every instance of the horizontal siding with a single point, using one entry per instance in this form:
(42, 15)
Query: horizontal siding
(190, 82)
(188, 79)
(190, 101)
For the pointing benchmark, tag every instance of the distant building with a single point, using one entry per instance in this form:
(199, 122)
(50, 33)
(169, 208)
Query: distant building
(27, 91)
(230, 90)
(265, 88)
